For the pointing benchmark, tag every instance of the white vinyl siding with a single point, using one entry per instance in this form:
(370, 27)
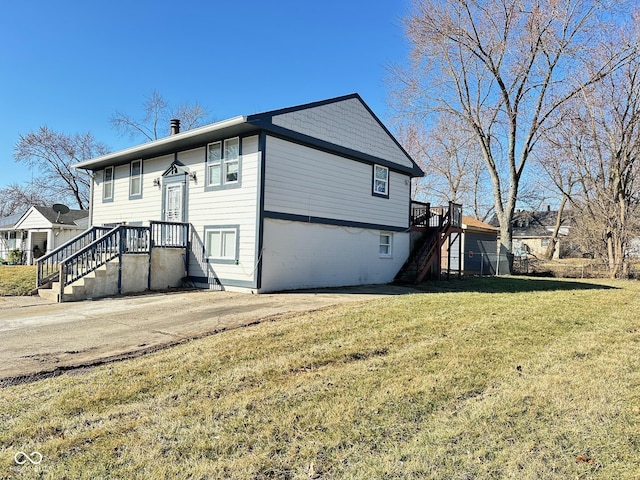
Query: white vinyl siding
(123, 209)
(234, 206)
(303, 181)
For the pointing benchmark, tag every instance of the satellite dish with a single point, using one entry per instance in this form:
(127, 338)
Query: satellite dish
(60, 209)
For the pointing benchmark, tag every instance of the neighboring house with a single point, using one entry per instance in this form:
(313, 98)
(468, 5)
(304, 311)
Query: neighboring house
(315, 195)
(532, 233)
(42, 229)
(10, 238)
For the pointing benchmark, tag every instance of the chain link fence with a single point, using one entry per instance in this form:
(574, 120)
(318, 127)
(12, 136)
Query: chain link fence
(568, 268)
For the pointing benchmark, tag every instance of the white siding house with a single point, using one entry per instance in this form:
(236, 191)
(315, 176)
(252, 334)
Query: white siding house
(42, 229)
(315, 195)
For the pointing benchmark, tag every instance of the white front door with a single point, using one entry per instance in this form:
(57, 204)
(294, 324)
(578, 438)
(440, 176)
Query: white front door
(173, 212)
(173, 204)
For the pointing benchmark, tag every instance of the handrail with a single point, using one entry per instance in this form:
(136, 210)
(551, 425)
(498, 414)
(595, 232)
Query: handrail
(99, 245)
(119, 240)
(169, 234)
(48, 265)
(425, 216)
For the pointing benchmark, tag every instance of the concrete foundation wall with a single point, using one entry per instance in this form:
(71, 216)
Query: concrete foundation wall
(135, 273)
(167, 268)
(167, 271)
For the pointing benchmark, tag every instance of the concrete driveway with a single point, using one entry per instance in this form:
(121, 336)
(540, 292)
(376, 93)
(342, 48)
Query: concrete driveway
(40, 339)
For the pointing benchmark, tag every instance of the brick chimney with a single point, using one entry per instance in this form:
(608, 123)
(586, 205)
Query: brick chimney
(175, 126)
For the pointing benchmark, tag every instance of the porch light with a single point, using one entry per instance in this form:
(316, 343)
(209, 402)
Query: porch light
(193, 177)
(156, 182)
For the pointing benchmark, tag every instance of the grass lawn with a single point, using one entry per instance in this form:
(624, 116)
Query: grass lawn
(17, 279)
(492, 378)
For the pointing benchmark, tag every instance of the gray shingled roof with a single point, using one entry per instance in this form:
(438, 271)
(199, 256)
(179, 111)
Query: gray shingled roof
(69, 218)
(534, 224)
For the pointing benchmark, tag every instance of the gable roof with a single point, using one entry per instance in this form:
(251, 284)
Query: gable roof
(528, 224)
(75, 218)
(345, 125)
(471, 223)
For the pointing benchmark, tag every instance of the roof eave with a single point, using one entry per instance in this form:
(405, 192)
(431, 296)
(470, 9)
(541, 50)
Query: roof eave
(172, 143)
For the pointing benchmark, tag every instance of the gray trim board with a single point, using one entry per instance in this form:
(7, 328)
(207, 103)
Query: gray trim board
(331, 221)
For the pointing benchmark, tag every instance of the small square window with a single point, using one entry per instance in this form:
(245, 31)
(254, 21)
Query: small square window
(385, 245)
(380, 181)
(221, 244)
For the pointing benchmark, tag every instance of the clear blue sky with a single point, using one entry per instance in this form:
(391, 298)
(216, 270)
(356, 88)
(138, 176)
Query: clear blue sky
(72, 64)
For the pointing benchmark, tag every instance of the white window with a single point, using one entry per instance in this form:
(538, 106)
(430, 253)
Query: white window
(380, 180)
(135, 179)
(214, 162)
(386, 243)
(221, 243)
(231, 160)
(107, 183)
(223, 162)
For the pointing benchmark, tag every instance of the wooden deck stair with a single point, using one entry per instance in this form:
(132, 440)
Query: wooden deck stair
(437, 225)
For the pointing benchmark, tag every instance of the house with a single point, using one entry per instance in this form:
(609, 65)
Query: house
(41, 229)
(532, 232)
(315, 195)
(11, 240)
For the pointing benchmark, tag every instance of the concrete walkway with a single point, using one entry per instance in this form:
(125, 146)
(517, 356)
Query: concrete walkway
(39, 338)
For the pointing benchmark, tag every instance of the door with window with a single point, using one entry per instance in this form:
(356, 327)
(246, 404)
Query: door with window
(173, 211)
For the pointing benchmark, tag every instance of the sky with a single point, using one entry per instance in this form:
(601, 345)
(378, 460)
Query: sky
(72, 64)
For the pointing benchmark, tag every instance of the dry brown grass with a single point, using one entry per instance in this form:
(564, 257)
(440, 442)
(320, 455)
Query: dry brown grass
(504, 378)
(17, 279)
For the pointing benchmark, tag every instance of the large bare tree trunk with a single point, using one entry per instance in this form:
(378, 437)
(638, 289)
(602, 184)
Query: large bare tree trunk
(504, 67)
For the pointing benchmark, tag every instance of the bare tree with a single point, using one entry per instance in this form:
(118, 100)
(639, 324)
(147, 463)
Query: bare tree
(453, 165)
(504, 67)
(602, 159)
(156, 117)
(50, 155)
(16, 199)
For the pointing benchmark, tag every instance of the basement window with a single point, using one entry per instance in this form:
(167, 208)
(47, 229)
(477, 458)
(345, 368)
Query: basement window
(221, 244)
(385, 245)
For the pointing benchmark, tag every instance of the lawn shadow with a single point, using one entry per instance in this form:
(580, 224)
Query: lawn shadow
(511, 284)
(501, 284)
